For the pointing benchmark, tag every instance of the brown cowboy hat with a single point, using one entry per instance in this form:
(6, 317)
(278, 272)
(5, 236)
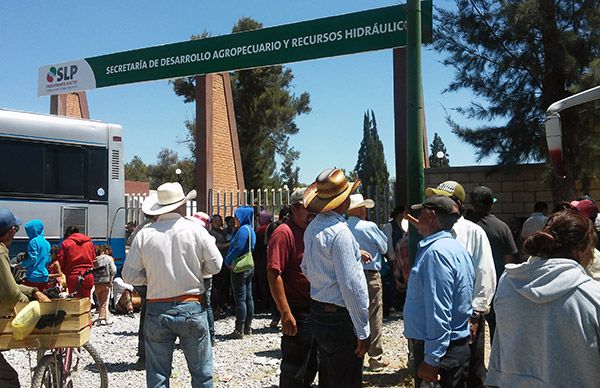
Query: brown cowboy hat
(329, 191)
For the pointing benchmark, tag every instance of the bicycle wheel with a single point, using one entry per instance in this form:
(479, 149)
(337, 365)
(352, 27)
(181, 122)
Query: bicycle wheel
(88, 368)
(46, 373)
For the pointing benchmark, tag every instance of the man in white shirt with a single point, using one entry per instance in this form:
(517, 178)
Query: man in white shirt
(171, 256)
(536, 221)
(473, 238)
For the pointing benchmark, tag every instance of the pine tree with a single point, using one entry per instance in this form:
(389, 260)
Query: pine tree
(370, 165)
(518, 57)
(437, 146)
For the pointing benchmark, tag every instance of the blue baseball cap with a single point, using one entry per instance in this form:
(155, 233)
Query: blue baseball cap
(8, 219)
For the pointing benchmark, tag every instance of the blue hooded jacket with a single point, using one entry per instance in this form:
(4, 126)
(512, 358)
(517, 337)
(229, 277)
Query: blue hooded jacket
(239, 242)
(38, 252)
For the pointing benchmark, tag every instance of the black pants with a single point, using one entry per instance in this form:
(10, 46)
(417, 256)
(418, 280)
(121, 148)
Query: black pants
(9, 378)
(334, 335)
(299, 353)
(141, 353)
(477, 371)
(454, 366)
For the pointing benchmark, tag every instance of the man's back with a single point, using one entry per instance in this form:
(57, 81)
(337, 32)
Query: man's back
(174, 253)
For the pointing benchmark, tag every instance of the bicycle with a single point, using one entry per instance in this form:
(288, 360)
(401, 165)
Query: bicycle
(67, 367)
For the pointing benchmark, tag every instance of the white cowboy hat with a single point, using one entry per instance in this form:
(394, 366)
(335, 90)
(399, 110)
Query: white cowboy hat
(169, 196)
(357, 200)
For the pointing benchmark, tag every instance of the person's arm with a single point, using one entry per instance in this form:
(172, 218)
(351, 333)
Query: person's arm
(277, 258)
(10, 292)
(239, 245)
(388, 230)
(133, 271)
(351, 280)
(510, 246)
(437, 295)
(485, 273)
(32, 253)
(380, 238)
(211, 257)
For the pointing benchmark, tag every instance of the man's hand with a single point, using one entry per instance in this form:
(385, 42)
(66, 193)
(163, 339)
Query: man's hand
(362, 347)
(288, 324)
(40, 297)
(365, 257)
(473, 326)
(428, 373)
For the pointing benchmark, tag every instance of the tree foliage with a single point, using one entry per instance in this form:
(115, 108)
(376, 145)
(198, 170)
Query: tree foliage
(370, 165)
(437, 145)
(167, 163)
(265, 111)
(518, 57)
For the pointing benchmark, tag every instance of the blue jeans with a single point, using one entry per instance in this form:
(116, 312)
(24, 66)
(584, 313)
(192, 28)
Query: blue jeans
(165, 321)
(242, 294)
(334, 334)
(209, 312)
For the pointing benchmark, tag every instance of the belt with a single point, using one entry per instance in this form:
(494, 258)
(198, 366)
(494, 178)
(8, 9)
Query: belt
(457, 342)
(179, 299)
(329, 307)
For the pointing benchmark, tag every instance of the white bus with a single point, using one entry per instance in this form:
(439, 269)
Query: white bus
(65, 172)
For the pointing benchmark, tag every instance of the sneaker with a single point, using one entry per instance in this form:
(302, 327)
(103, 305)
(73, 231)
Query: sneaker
(377, 365)
(236, 334)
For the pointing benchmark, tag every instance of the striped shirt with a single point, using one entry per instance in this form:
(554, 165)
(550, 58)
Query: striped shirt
(171, 256)
(332, 265)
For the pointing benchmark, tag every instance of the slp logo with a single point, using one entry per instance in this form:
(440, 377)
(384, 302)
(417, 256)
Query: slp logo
(61, 74)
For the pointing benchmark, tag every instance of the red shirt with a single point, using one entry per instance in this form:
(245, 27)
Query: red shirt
(77, 254)
(285, 253)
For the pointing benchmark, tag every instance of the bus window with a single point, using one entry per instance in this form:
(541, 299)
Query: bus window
(64, 171)
(97, 185)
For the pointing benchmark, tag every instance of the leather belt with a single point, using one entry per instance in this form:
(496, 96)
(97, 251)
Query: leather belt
(178, 299)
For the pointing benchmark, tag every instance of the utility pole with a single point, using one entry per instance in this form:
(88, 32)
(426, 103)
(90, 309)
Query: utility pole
(414, 116)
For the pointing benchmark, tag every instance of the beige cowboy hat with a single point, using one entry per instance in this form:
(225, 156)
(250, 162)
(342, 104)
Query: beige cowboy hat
(169, 196)
(357, 200)
(329, 191)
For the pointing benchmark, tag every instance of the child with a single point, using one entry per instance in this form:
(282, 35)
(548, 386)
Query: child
(38, 256)
(104, 272)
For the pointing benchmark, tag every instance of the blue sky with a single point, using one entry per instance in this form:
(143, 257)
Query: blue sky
(342, 88)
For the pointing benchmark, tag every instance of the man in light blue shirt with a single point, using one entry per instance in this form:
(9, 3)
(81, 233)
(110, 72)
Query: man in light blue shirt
(438, 300)
(338, 289)
(372, 240)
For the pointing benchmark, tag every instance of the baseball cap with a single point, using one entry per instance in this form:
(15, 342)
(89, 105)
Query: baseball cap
(297, 196)
(8, 219)
(586, 208)
(439, 203)
(483, 194)
(449, 189)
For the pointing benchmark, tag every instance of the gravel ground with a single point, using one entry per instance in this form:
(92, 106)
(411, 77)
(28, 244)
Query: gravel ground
(250, 362)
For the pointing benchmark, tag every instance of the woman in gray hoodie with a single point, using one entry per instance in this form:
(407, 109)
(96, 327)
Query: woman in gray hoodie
(548, 311)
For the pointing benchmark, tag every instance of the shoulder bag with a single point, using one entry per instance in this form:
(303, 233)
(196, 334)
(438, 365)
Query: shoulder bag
(245, 262)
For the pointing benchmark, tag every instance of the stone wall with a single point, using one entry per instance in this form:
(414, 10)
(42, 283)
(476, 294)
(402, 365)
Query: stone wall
(517, 187)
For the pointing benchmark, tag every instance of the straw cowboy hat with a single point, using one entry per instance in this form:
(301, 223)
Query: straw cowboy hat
(169, 196)
(357, 200)
(329, 191)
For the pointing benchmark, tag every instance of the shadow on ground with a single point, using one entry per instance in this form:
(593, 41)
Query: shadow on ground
(388, 378)
(119, 367)
(274, 353)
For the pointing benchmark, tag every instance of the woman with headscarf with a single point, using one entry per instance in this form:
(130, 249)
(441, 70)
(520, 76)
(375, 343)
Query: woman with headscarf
(548, 311)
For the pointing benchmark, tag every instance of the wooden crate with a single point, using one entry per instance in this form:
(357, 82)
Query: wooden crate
(74, 331)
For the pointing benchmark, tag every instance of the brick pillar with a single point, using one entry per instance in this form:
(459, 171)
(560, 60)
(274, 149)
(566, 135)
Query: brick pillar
(218, 160)
(71, 105)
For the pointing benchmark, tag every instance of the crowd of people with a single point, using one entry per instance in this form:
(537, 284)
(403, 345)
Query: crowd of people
(329, 276)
